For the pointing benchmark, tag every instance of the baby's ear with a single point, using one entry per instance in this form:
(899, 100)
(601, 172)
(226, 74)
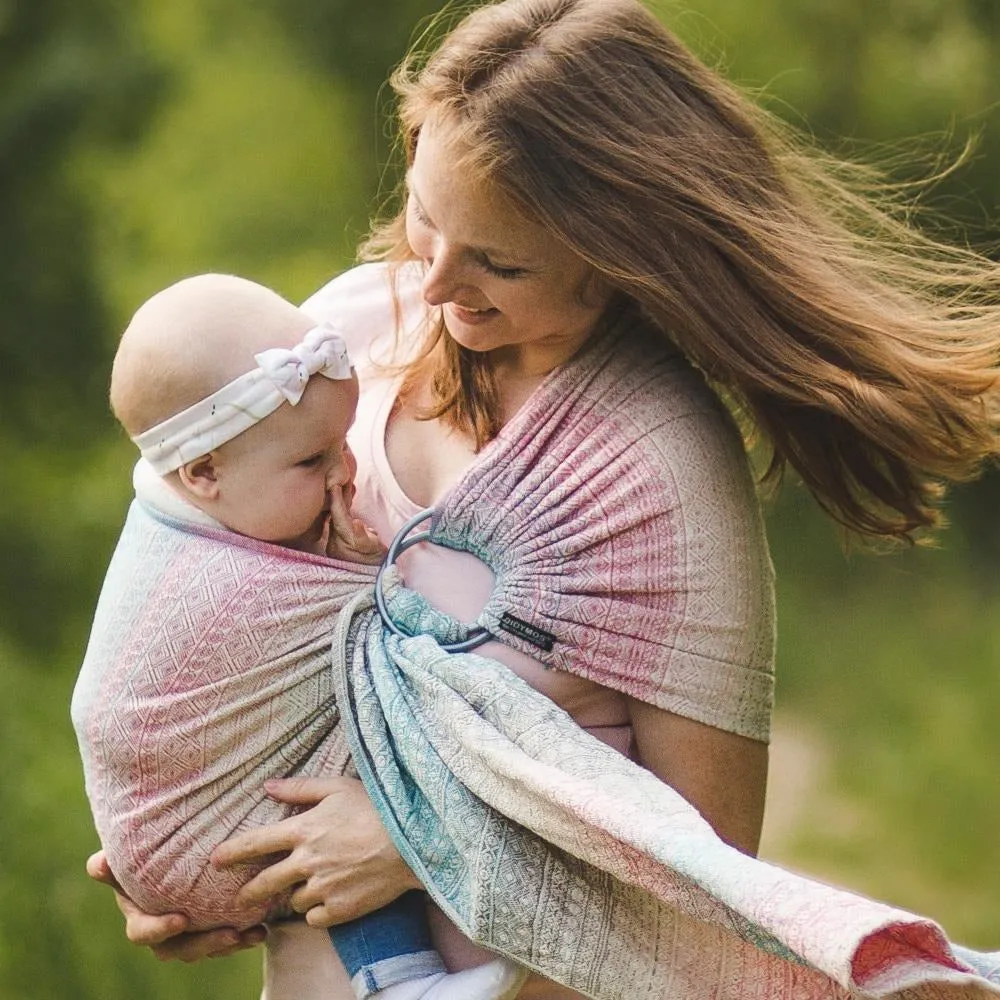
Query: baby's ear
(200, 477)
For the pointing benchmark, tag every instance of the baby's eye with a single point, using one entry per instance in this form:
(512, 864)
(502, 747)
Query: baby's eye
(311, 462)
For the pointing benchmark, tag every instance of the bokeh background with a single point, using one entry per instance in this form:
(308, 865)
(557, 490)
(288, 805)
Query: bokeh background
(141, 141)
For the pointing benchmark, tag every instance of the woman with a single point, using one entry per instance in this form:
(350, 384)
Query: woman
(573, 167)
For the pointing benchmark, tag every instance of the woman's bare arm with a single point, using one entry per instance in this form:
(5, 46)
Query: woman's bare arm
(723, 775)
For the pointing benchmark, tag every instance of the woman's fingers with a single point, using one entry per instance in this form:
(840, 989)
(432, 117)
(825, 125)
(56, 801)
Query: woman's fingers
(339, 859)
(140, 927)
(323, 916)
(271, 881)
(166, 934)
(283, 836)
(150, 929)
(306, 791)
(99, 870)
(346, 904)
(208, 944)
(277, 838)
(257, 844)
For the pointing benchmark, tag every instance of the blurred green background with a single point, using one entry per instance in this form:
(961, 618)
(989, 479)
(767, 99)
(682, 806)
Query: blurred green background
(147, 140)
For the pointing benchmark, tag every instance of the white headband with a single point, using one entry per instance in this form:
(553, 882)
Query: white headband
(237, 406)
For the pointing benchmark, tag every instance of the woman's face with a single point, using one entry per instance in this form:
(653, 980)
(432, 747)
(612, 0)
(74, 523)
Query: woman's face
(502, 280)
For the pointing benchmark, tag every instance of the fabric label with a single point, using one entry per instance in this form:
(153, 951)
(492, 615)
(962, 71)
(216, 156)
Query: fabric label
(530, 633)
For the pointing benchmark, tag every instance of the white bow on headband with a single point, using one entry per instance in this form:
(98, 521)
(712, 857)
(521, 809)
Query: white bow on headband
(281, 377)
(322, 352)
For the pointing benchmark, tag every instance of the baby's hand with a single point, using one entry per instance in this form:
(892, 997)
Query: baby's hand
(358, 544)
(350, 539)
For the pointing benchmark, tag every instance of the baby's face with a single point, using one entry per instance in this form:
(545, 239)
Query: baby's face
(275, 479)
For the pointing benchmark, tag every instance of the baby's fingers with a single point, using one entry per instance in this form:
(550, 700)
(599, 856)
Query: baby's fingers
(366, 541)
(340, 513)
(350, 538)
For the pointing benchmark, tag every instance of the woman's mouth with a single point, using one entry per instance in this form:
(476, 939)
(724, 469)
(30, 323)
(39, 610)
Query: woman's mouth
(469, 316)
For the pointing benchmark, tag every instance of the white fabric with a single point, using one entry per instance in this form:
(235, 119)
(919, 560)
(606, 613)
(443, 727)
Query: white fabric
(281, 377)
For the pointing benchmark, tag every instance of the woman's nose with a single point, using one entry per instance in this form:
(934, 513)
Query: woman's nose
(442, 277)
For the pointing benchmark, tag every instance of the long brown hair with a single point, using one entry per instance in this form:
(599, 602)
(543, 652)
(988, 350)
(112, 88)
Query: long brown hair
(864, 351)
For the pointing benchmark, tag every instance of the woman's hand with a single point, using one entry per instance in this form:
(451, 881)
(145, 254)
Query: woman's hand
(167, 935)
(338, 853)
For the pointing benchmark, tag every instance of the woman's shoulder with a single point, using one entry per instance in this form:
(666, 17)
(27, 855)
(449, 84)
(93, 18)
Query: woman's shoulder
(653, 412)
(372, 304)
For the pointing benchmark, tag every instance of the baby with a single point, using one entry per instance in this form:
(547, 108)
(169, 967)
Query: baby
(208, 668)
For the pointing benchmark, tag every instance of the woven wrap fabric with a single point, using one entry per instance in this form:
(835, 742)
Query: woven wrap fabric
(207, 672)
(616, 508)
(541, 842)
(618, 514)
(209, 669)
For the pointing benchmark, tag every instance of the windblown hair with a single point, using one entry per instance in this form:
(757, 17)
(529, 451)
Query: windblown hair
(864, 351)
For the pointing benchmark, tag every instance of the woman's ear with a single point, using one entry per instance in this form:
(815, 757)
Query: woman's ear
(200, 477)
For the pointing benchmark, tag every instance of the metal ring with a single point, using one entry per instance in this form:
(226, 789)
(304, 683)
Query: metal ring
(403, 541)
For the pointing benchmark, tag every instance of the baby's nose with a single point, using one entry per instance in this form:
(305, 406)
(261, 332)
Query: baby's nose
(351, 462)
(342, 472)
(338, 476)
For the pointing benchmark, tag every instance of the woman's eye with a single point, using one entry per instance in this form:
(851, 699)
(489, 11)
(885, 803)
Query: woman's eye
(418, 212)
(507, 273)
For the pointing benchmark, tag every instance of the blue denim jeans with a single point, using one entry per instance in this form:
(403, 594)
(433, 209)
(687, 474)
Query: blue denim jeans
(388, 946)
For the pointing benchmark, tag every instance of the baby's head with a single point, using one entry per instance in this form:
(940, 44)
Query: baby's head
(194, 386)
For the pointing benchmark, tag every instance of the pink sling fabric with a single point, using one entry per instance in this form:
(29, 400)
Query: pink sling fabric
(207, 671)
